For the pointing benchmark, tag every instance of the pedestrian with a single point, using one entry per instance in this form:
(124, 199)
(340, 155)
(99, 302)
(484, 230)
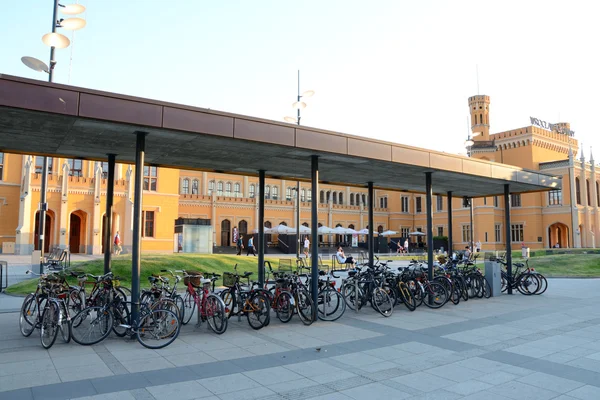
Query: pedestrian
(557, 245)
(478, 246)
(251, 247)
(117, 244)
(406, 245)
(306, 246)
(240, 245)
(467, 255)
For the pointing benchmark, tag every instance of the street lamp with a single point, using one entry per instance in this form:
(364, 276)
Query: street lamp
(55, 41)
(298, 105)
(469, 146)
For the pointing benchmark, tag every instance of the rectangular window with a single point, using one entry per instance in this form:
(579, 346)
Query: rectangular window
(219, 188)
(555, 197)
(228, 189)
(495, 201)
(1, 166)
(302, 195)
(516, 232)
(439, 203)
(150, 177)
(404, 201)
(309, 195)
(39, 163)
(104, 166)
(211, 188)
(440, 231)
(195, 184)
(404, 232)
(267, 192)
(236, 190)
(466, 233)
(275, 192)
(515, 200)
(486, 237)
(148, 223)
(383, 202)
(485, 201)
(288, 194)
(419, 204)
(252, 191)
(185, 186)
(75, 167)
(497, 231)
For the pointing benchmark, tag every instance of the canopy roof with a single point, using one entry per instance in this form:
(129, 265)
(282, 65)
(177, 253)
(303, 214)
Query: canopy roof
(49, 119)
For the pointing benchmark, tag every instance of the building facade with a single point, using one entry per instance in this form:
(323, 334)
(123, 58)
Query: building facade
(77, 192)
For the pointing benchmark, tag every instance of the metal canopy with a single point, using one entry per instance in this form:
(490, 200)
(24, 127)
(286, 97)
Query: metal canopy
(58, 120)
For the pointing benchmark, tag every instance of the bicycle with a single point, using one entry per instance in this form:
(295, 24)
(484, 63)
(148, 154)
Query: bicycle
(211, 307)
(155, 329)
(360, 288)
(252, 303)
(160, 289)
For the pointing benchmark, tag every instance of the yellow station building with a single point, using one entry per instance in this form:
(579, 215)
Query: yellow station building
(77, 194)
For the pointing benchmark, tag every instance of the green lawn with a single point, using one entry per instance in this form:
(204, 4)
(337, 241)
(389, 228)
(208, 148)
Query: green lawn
(153, 264)
(567, 265)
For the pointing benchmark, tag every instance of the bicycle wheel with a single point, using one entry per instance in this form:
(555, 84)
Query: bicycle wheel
(406, 296)
(382, 302)
(417, 290)
(350, 296)
(49, 325)
(436, 295)
(528, 284)
(76, 300)
(189, 305)
(146, 299)
(121, 317)
(305, 307)
(214, 308)
(487, 289)
(64, 324)
(29, 315)
(158, 328)
(284, 306)
(392, 293)
(504, 281)
(179, 302)
(91, 325)
(259, 313)
(460, 282)
(229, 300)
(331, 305)
(543, 283)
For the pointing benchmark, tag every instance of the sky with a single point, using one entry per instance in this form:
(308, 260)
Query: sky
(396, 70)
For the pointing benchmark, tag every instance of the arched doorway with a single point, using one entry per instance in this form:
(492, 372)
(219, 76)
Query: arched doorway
(225, 233)
(75, 225)
(558, 233)
(47, 231)
(243, 230)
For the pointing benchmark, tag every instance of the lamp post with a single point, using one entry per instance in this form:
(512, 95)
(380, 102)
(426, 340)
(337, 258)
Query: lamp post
(298, 105)
(55, 41)
(469, 145)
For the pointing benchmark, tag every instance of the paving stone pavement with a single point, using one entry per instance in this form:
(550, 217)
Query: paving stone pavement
(507, 347)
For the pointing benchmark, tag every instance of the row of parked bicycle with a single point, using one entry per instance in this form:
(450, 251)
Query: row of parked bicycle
(88, 316)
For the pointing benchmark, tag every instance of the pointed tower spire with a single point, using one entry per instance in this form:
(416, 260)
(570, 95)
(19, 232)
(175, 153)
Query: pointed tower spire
(591, 156)
(582, 158)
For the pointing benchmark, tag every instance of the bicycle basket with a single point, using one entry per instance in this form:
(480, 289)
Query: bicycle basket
(193, 278)
(228, 279)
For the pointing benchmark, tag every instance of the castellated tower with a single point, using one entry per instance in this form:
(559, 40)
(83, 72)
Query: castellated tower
(479, 107)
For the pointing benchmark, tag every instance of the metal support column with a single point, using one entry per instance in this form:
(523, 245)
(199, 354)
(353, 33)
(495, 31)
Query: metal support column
(450, 224)
(471, 227)
(42, 213)
(371, 222)
(429, 195)
(508, 237)
(110, 190)
(261, 228)
(314, 222)
(140, 148)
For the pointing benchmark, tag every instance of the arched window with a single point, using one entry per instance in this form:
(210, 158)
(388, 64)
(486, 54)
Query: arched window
(481, 118)
(302, 195)
(252, 191)
(577, 191)
(228, 189)
(309, 195)
(334, 197)
(185, 186)
(328, 196)
(288, 193)
(236, 189)
(322, 197)
(351, 199)
(267, 192)
(341, 198)
(211, 187)
(587, 186)
(364, 199)
(195, 186)
(219, 188)
(275, 192)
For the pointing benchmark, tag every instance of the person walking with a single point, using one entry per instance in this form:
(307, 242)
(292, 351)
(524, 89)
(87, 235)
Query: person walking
(240, 245)
(251, 247)
(117, 242)
(406, 245)
(478, 246)
(306, 246)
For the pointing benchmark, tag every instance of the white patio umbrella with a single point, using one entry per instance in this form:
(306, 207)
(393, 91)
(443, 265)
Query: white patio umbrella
(417, 233)
(283, 229)
(366, 232)
(339, 230)
(324, 230)
(304, 230)
(388, 233)
(267, 230)
(350, 231)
